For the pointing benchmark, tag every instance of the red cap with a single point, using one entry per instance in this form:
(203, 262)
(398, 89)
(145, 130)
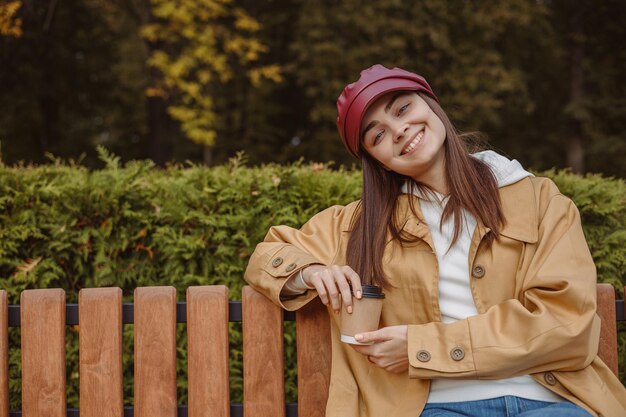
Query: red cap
(373, 83)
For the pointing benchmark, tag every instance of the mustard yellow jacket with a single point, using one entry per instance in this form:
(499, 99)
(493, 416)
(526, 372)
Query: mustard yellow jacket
(534, 290)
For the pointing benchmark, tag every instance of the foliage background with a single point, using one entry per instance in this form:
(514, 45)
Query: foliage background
(200, 80)
(63, 225)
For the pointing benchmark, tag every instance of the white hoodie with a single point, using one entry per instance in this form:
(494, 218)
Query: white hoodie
(455, 298)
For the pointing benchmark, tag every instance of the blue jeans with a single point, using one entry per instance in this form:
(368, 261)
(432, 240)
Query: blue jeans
(508, 406)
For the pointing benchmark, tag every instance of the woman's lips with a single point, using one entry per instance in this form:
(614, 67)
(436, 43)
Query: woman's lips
(416, 140)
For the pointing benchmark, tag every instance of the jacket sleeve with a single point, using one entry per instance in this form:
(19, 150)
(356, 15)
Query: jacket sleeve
(551, 326)
(286, 250)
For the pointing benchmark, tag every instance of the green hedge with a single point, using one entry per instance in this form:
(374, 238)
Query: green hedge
(62, 225)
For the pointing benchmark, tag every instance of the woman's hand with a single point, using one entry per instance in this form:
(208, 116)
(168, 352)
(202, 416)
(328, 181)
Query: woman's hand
(390, 349)
(333, 284)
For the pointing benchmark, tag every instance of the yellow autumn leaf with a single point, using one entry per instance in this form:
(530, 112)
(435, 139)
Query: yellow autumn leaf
(268, 72)
(156, 92)
(245, 22)
(10, 25)
(202, 137)
(150, 32)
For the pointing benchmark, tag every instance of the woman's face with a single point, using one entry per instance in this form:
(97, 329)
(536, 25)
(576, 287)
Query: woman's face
(402, 132)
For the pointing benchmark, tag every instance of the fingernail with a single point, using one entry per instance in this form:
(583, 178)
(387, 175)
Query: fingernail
(358, 336)
(349, 308)
(336, 311)
(358, 294)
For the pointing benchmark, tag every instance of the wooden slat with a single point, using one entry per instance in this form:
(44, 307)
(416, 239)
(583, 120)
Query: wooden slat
(155, 352)
(608, 332)
(263, 356)
(100, 352)
(4, 355)
(207, 338)
(42, 316)
(624, 303)
(314, 358)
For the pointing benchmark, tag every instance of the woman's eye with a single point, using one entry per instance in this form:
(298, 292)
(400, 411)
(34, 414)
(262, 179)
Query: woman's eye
(403, 109)
(378, 137)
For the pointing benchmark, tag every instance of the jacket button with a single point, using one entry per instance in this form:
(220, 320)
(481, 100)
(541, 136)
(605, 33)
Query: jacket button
(549, 377)
(276, 262)
(290, 267)
(457, 353)
(478, 271)
(423, 356)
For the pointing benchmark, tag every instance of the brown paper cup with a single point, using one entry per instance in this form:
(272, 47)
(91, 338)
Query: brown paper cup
(364, 318)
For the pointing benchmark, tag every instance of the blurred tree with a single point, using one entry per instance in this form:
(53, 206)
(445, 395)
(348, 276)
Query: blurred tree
(542, 79)
(265, 120)
(448, 42)
(10, 24)
(201, 46)
(572, 64)
(66, 84)
(594, 110)
(162, 139)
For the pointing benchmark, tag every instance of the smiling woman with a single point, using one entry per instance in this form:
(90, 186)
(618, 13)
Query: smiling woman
(395, 126)
(489, 305)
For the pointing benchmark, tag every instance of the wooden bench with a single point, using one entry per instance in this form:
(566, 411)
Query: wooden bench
(43, 316)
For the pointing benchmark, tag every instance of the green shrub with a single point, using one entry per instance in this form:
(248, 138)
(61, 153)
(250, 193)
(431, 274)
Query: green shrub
(64, 226)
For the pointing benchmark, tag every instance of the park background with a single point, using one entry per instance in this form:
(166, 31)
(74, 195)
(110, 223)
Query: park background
(154, 142)
(199, 80)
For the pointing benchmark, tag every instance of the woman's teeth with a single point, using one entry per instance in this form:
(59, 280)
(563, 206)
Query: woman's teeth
(413, 143)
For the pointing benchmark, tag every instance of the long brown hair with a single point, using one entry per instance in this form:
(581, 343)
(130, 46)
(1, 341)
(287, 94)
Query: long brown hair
(471, 184)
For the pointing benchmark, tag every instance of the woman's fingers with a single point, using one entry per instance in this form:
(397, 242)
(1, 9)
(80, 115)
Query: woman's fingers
(332, 288)
(315, 279)
(332, 284)
(345, 294)
(388, 350)
(355, 280)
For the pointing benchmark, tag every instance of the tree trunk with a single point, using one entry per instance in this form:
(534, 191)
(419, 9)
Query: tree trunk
(207, 153)
(161, 130)
(575, 151)
(159, 145)
(50, 134)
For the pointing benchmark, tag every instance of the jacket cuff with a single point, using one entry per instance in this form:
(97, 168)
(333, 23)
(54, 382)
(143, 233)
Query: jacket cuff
(295, 285)
(282, 265)
(440, 350)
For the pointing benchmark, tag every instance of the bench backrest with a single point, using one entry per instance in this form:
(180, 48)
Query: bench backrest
(42, 317)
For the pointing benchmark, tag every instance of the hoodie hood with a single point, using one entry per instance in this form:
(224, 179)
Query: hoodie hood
(505, 170)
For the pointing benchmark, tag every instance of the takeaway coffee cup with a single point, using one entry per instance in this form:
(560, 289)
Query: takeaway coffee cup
(365, 314)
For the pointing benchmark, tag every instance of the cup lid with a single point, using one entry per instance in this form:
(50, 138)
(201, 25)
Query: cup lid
(372, 291)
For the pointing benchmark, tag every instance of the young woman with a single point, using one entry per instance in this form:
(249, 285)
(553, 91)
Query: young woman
(490, 286)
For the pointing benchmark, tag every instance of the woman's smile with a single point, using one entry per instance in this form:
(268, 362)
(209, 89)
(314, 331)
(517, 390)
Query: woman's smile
(413, 143)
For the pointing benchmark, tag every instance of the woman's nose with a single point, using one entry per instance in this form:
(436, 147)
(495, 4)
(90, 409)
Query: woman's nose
(400, 131)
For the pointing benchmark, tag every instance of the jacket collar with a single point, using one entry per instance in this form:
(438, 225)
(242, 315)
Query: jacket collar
(518, 205)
